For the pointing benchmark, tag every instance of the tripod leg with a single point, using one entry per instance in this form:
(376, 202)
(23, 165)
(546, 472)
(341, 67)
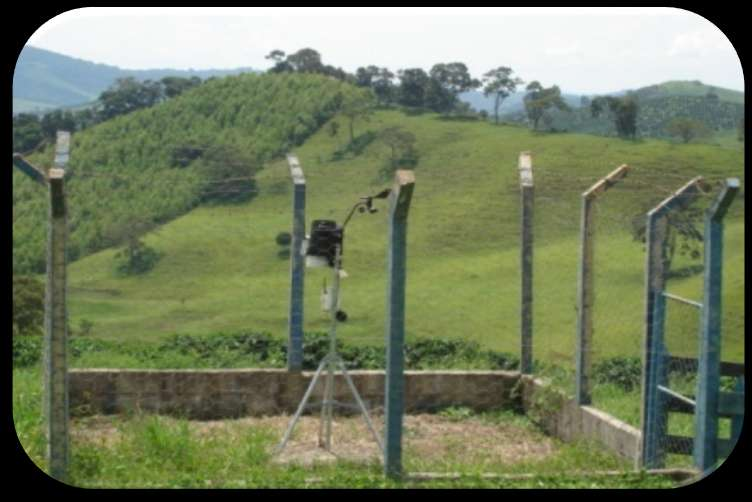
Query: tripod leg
(301, 407)
(360, 404)
(325, 425)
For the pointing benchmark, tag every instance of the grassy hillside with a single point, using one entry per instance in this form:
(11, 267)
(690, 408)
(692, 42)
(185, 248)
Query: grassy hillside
(155, 164)
(44, 79)
(221, 271)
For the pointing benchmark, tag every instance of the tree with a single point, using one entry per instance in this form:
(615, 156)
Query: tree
(401, 144)
(378, 79)
(127, 95)
(683, 234)
(280, 63)
(453, 79)
(174, 86)
(412, 86)
(623, 110)
(28, 305)
(383, 86)
(27, 132)
(539, 100)
(57, 120)
(356, 105)
(306, 61)
(229, 174)
(500, 83)
(687, 129)
(135, 257)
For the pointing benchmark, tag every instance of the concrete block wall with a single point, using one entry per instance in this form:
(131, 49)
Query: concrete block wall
(215, 394)
(218, 394)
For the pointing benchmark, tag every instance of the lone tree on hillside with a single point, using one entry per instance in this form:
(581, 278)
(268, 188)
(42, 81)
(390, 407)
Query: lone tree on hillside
(501, 84)
(539, 100)
(401, 144)
(687, 129)
(624, 111)
(356, 105)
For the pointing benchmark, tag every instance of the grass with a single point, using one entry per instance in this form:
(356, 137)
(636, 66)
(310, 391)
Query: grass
(220, 270)
(139, 451)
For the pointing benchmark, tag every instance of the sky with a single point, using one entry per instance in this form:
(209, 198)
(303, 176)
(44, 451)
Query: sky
(582, 50)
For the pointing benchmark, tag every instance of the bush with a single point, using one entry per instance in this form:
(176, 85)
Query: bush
(624, 372)
(28, 306)
(27, 351)
(283, 239)
(136, 259)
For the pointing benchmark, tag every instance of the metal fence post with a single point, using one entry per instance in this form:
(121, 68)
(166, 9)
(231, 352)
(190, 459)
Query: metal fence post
(585, 284)
(399, 204)
(297, 267)
(526, 262)
(709, 365)
(654, 415)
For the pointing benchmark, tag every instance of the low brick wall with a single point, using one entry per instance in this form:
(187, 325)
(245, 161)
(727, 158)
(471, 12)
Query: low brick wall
(215, 394)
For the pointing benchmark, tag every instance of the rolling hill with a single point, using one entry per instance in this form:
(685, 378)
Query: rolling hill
(155, 164)
(221, 269)
(44, 79)
(658, 105)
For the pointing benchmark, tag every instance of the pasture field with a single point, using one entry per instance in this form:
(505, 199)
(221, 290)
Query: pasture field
(221, 271)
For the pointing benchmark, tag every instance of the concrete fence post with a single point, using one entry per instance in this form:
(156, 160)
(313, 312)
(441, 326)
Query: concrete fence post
(399, 205)
(526, 262)
(55, 402)
(585, 290)
(297, 267)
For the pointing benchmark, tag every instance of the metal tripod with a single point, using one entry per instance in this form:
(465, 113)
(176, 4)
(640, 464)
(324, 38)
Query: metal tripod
(331, 362)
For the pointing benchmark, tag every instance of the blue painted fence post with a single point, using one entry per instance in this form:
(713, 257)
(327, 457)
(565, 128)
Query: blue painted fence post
(709, 368)
(399, 204)
(654, 414)
(297, 268)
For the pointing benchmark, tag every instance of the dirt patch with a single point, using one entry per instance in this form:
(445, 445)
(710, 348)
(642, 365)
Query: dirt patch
(428, 440)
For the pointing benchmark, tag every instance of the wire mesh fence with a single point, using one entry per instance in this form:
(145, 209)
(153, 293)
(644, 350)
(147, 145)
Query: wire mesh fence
(224, 269)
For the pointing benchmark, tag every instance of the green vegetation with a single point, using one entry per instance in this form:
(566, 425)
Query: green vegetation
(156, 164)
(220, 272)
(147, 451)
(43, 79)
(28, 306)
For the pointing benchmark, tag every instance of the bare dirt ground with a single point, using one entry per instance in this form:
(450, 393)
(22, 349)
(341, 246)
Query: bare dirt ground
(428, 440)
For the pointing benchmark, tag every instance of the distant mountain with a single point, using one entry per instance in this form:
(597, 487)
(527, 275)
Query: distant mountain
(44, 79)
(513, 104)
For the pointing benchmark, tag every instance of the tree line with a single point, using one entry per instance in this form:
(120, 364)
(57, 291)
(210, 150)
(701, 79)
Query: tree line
(124, 96)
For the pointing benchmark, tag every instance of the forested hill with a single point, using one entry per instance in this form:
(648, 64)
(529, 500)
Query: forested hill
(718, 109)
(135, 171)
(44, 79)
